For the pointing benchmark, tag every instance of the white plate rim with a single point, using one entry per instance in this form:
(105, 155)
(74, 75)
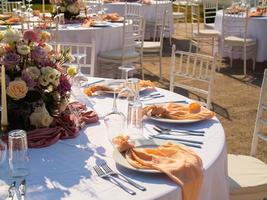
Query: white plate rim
(121, 161)
(175, 121)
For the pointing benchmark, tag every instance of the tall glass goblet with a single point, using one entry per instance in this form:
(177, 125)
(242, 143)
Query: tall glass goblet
(115, 120)
(79, 78)
(126, 91)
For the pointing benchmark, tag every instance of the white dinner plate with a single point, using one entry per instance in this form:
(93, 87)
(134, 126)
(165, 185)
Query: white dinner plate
(121, 160)
(175, 121)
(101, 24)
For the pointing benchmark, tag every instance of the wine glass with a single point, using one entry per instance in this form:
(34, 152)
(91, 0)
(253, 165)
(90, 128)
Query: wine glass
(126, 91)
(79, 78)
(115, 120)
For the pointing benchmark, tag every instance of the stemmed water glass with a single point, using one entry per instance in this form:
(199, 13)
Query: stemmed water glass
(79, 78)
(115, 120)
(126, 91)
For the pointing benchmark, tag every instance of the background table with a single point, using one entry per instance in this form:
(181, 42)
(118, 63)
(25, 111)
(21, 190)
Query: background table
(147, 11)
(256, 29)
(105, 38)
(64, 170)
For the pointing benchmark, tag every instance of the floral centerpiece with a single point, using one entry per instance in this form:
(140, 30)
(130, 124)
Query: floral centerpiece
(37, 86)
(70, 8)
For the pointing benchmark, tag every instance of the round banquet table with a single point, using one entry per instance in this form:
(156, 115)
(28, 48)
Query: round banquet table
(146, 10)
(105, 38)
(64, 170)
(256, 29)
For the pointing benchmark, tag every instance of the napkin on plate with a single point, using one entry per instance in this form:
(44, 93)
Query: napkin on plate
(178, 162)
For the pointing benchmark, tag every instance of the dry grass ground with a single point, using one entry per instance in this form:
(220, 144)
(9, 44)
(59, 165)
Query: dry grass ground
(235, 97)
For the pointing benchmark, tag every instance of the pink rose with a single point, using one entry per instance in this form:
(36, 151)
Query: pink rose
(31, 35)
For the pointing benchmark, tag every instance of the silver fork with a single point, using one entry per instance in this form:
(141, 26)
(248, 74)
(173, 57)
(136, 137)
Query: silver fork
(104, 175)
(179, 130)
(108, 170)
(166, 131)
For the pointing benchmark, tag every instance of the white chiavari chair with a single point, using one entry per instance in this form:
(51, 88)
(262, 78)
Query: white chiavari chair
(133, 32)
(261, 120)
(210, 8)
(247, 174)
(132, 9)
(87, 63)
(155, 47)
(8, 7)
(160, 7)
(235, 40)
(201, 37)
(180, 15)
(195, 72)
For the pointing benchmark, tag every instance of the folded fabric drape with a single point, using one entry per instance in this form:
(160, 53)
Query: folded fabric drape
(64, 127)
(177, 161)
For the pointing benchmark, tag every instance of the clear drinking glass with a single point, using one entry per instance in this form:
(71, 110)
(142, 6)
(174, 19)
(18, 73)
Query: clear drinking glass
(134, 112)
(18, 153)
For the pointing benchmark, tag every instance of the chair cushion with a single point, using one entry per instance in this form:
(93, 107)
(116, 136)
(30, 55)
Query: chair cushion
(210, 25)
(238, 41)
(151, 45)
(246, 175)
(209, 32)
(178, 15)
(117, 54)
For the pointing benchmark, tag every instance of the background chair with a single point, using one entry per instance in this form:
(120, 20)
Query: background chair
(248, 175)
(133, 37)
(201, 37)
(84, 54)
(234, 38)
(155, 47)
(180, 15)
(210, 8)
(194, 71)
(8, 7)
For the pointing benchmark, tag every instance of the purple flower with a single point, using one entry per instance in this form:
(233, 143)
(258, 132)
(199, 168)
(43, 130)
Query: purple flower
(39, 54)
(10, 59)
(29, 81)
(64, 85)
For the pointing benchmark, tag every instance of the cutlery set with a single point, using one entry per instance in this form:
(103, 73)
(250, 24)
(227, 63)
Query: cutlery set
(171, 134)
(105, 172)
(12, 191)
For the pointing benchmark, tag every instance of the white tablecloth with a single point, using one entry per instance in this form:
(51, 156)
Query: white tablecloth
(64, 170)
(256, 29)
(147, 11)
(105, 38)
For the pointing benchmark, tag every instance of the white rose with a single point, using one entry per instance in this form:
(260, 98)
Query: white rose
(50, 75)
(33, 72)
(12, 35)
(23, 50)
(40, 117)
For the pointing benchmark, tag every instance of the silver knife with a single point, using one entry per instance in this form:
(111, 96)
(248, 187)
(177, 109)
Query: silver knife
(12, 190)
(22, 189)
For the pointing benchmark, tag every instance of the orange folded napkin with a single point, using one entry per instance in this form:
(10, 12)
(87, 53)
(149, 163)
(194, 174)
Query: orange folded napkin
(178, 162)
(177, 111)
